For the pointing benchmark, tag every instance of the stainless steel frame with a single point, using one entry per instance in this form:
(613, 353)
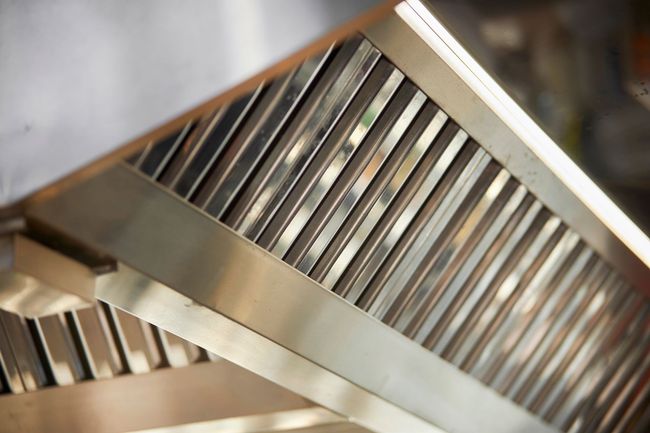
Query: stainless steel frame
(419, 45)
(210, 394)
(186, 272)
(271, 319)
(38, 281)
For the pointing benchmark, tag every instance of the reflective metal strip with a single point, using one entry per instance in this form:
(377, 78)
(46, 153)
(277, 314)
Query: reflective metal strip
(359, 187)
(60, 352)
(610, 370)
(559, 333)
(632, 409)
(251, 142)
(33, 374)
(199, 164)
(427, 273)
(329, 160)
(486, 328)
(11, 380)
(136, 342)
(174, 351)
(96, 343)
(302, 127)
(301, 253)
(157, 157)
(586, 360)
(461, 247)
(614, 298)
(495, 277)
(386, 282)
(327, 114)
(614, 389)
(381, 192)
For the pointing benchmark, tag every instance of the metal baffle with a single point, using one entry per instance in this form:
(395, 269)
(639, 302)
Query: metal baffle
(380, 230)
(376, 193)
(197, 398)
(233, 298)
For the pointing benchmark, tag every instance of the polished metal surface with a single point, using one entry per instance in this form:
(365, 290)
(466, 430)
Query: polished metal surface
(79, 81)
(172, 397)
(416, 42)
(38, 281)
(418, 204)
(271, 319)
(418, 225)
(307, 420)
(86, 344)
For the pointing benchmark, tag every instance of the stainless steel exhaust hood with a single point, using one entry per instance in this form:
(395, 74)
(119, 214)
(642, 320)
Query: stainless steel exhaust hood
(379, 230)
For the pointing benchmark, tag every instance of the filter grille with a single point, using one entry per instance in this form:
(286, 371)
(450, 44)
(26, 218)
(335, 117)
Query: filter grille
(87, 344)
(349, 173)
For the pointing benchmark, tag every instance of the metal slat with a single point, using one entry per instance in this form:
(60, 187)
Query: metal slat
(302, 126)
(578, 297)
(635, 409)
(487, 330)
(367, 226)
(399, 212)
(456, 186)
(622, 400)
(60, 351)
(329, 110)
(349, 189)
(206, 151)
(492, 270)
(499, 281)
(96, 343)
(260, 130)
(382, 189)
(330, 159)
(32, 373)
(432, 261)
(380, 124)
(585, 364)
(135, 339)
(174, 351)
(577, 266)
(582, 412)
(614, 299)
(560, 333)
(437, 233)
(461, 247)
(12, 382)
(522, 316)
(157, 157)
(425, 203)
(614, 389)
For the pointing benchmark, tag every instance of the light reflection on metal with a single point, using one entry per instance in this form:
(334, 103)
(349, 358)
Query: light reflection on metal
(530, 133)
(164, 398)
(416, 42)
(37, 281)
(272, 319)
(269, 422)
